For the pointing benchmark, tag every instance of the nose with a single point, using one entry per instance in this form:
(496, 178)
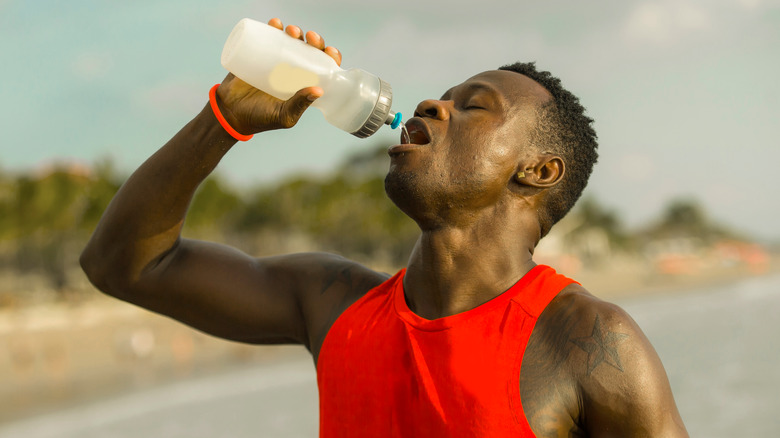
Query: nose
(435, 109)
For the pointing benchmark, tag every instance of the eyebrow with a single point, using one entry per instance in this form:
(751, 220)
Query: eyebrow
(472, 88)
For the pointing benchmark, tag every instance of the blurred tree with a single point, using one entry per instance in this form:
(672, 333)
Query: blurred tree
(46, 217)
(348, 212)
(48, 214)
(7, 198)
(686, 218)
(593, 215)
(214, 206)
(592, 233)
(103, 184)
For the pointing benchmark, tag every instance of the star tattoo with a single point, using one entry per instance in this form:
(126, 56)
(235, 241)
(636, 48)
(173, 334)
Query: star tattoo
(601, 347)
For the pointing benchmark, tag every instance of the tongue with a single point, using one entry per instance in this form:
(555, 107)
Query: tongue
(418, 137)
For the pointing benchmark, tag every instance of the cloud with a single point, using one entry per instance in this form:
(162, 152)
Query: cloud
(665, 22)
(750, 4)
(443, 53)
(172, 97)
(636, 167)
(91, 65)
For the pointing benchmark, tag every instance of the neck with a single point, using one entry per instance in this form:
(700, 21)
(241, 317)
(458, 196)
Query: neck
(455, 269)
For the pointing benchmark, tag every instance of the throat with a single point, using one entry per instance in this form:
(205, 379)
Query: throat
(443, 279)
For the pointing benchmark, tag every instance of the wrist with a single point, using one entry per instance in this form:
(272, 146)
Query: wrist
(224, 116)
(207, 130)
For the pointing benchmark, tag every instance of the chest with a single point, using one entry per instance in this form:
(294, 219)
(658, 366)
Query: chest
(446, 381)
(381, 367)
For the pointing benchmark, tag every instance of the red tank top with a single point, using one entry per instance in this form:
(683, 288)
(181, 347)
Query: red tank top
(383, 371)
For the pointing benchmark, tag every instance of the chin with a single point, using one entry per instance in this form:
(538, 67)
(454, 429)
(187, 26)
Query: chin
(403, 188)
(407, 193)
(400, 188)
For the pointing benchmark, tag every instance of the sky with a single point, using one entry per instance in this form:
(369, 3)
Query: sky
(685, 93)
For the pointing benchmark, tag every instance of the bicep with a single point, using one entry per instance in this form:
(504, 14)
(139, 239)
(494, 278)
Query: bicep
(625, 389)
(224, 292)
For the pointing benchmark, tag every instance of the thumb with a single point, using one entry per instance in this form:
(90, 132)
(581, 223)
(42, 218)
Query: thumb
(295, 106)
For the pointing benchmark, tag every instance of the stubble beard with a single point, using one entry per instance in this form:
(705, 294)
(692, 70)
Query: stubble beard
(433, 202)
(418, 195)
(421, 196)
(403, 190)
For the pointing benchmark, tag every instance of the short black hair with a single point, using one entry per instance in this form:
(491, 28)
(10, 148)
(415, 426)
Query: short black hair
(562, 129)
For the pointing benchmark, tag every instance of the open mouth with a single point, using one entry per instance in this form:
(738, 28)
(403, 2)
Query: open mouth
(416, 132)
(413, 136)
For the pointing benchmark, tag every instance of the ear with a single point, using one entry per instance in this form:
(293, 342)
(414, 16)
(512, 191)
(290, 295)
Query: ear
(545, 172)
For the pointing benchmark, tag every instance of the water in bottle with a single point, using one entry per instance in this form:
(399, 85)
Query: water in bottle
(267, 58)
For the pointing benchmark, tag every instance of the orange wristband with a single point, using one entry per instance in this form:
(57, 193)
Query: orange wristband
(233, 133)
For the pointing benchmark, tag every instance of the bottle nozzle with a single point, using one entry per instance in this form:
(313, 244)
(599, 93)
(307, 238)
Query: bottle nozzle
(393, 119)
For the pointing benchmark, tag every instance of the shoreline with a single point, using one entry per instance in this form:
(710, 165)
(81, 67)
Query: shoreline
(632, 283)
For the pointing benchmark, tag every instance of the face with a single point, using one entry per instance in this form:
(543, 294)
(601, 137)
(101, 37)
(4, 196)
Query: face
(464, 149)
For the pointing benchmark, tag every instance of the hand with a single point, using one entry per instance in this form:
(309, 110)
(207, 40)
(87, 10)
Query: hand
(249, 110)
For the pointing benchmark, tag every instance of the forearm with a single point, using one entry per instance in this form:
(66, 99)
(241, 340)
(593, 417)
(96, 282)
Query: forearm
(143, 221)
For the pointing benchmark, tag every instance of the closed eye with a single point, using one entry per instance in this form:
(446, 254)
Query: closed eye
(474, 104)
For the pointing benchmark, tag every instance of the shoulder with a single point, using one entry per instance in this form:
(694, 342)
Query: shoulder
(578, 334)
(620, 379)
(326, 285)
(319, 273)
(600, 334)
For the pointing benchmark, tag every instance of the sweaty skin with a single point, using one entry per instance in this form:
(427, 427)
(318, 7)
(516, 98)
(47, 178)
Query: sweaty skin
(588, 369)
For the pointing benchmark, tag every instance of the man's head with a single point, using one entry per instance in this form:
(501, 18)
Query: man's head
(465, 150)
(562, 129)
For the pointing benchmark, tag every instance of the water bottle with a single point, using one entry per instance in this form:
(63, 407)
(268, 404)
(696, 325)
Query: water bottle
(267, 58)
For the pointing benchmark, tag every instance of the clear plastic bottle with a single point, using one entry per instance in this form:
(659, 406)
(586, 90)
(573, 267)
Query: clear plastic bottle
(268, 59)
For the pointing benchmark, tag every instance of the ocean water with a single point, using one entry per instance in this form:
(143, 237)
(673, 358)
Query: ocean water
(721, 350)
(720, 347)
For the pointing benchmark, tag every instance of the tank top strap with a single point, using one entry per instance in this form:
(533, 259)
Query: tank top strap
(537, 288)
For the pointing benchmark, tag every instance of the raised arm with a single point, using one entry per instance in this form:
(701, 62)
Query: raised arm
(136, 253)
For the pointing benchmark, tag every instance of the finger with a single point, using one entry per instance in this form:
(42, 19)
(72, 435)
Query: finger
(295, 31)
(314, 39)
(277, 23)
(293, 108)
(333, 53)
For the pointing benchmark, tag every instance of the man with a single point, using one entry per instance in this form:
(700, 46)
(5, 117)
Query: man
(472, 338)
